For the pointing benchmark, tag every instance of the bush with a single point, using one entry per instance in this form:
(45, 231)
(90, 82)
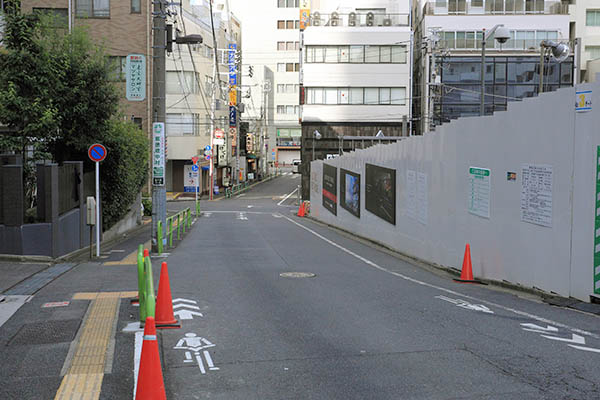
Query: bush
(124, 171)
(147, 203)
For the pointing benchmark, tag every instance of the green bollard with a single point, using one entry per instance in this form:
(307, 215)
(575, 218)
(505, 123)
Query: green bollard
(178, 227)
(184, 220)
(141, 283)
(159, 239)
(150, 300)
(170, 232)
(197, 209)
(189, 218)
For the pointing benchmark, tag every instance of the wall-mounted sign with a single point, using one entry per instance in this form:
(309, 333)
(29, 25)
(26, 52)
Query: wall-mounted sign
(158, 154)
(479, 191)
(583, 101)
(536, 194)
(135, 77)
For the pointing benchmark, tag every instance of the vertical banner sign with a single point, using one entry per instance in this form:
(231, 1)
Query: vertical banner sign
(136, 77)
(597, 227)
(158, 154)
(479, 191)
(350, 192)
(583, 101)
(304, 14)
(380, 192)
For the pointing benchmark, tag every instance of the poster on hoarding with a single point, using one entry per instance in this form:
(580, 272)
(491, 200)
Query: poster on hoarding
(330, 188)
(350, 192)
(380, 192)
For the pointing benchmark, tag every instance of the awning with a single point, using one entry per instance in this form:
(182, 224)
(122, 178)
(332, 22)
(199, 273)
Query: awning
(251, 156)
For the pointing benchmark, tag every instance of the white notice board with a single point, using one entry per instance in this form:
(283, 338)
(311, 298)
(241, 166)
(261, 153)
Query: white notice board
(536, 194)
(479, 191)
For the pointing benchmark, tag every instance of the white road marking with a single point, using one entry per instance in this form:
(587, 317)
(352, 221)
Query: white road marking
(207, 214)
(186, 305)
(287, 196)
(250, 206)
(465, 304)
(585, 348)
(186, 314)
(137, 356)
(295, 176)
(575, 339)
(277, 215)
(200, 363)
(10, 305)
(209, 361)
(180, 300)
(407, 278)
(240, 195)
(242, 216)
(538, 329)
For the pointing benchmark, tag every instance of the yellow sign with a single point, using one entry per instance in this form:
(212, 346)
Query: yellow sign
(233, 97)
(304, 18)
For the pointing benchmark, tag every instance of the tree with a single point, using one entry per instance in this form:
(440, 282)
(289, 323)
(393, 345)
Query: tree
(57, 97)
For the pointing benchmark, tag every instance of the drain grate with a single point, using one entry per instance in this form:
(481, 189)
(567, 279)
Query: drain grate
(297, 275)
(46, 332)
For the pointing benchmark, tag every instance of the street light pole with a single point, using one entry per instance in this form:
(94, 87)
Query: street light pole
(482, 99)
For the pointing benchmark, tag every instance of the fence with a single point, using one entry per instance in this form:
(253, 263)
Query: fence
(520, 186)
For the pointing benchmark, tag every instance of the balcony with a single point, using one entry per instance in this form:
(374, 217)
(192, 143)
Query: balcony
(495, 7)
(358, 19)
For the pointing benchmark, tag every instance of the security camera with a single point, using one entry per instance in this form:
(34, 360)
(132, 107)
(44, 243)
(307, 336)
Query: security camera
(502, 35)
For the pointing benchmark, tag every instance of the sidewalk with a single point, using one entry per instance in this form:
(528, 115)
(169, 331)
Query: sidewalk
(61, 324)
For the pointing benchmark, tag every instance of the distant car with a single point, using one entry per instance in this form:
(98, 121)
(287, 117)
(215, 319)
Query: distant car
(296, 166)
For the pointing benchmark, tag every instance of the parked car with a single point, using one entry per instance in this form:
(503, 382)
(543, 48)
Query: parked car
(296, 166)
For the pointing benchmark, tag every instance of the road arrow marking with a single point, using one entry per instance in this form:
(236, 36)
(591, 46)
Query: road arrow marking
(576, 339)
(467, 305)
(585, 348)
(186, 314)
(538, 329)
(184, 300)
(186, 306)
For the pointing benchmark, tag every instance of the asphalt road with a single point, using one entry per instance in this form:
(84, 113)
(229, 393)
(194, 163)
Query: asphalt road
(367, 325)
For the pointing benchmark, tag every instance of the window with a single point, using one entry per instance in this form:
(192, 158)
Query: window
(318, 96)
(280, 88)
(319, 54)
(331, 54)
(289, 46)
(593, 51)
(280, 67)
(296, 24)
(476, 3)
(280, 24)
(290, 3)
(356, 95)
(172, 84)
(289, 24)
(289, 67)
(93, 8)
(344, 54)
(398, 96)
(399, 54)
(297, 67)
(280, 46)
(384, 95)
(281, 3)
(182, 124)
(344, 96)
(136, 7)
(371, 54)
(296, 45)
(119, 65)
(331, 96)
(289, 88)
(289, 110)
(280, 109)
(60, 15)
(592, 18)
(385, 55)
(357, 54)
(371, 95)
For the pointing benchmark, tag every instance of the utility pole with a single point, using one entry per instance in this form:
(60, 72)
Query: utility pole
(159, 192)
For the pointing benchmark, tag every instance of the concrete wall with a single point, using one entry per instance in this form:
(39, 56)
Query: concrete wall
(434, 224)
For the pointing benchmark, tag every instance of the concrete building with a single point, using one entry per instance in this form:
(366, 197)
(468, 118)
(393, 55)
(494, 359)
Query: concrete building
(356, 75)
(448, 36)
(122, 27)
(585, 24)
(189, 96)
(271, 96)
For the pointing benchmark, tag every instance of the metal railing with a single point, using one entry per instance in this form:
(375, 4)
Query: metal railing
(242, 187)
(183, 220)
(493, 7)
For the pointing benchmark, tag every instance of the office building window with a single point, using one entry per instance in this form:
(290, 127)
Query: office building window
(280, 109)
(280, 24)
(289, 46)
(519, 40)
(118, 65)
(289, 24)
(93, 8)
(288, 3)
(136, 6)
(593, 51)
(356, 96)
(60, 15)
(592, 17)
(280, 88)
(280, 46)
(356, 54)
(281, 3)
(280, 67)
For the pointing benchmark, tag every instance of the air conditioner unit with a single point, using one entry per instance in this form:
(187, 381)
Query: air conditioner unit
(335, 19)
(316, 19)
(370, 19)
(352, 19)
(387, 22)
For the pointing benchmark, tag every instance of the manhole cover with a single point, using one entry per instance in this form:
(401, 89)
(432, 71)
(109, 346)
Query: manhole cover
(46, 332)
(297, 275)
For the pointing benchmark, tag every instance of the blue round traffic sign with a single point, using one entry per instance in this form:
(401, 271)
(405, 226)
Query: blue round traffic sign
(194, 168)
(97, 152)
(208, 148)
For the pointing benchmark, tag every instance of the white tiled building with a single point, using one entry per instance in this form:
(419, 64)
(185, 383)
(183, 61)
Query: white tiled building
(585, 24)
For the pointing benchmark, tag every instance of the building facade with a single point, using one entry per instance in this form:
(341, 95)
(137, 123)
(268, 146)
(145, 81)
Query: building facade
(270, 53)
(448, 34)
(585, 25)
(189, 92)
(355, 76)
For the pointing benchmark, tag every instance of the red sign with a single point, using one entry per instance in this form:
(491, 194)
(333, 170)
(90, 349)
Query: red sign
(97, 152)
(55, 304)
(219, 134)
(194, 160)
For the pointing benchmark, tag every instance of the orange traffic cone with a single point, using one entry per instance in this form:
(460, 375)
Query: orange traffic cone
(150, 384)
(164, 302)
(301, 211)
(466, 275)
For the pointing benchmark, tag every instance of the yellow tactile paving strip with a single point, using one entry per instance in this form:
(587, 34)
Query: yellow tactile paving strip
(131, 259)
(83, 380)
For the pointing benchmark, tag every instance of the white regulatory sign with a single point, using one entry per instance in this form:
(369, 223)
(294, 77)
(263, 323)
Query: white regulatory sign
(158, 154)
